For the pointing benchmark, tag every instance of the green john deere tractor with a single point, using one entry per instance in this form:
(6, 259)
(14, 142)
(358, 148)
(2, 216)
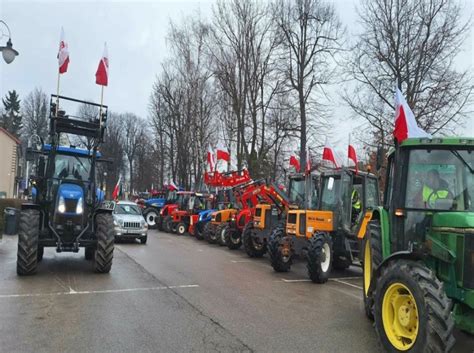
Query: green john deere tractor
(418, 248)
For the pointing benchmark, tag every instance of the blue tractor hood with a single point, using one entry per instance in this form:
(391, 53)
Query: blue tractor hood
(70, 191)
(156, 202)
(205, 216)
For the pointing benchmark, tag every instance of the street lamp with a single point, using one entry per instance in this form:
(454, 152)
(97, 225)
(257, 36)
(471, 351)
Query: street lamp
(8, 52)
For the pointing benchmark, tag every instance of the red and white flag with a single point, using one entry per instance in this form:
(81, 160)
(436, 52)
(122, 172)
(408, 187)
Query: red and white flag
(172, 186)
(308, 162)
(405, 122)
(294, 162)
(223, 153)
(63, 54)
(329, 154)
(102, 73)
(351, 154)
(211, 158)
(116, 191)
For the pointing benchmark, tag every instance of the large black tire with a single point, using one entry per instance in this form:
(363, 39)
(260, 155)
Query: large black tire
(159, 223)
(372, 248)
(199, 230)
(167, 224)
(104, 233)
(210, 233)
(430, 313)
(279, 262)
(233, 238)
(89, 253)
(220, 233)
(252, 248)
(181, 228)
(319, 257)
(151, 216)
(28, 235)
(341, 263)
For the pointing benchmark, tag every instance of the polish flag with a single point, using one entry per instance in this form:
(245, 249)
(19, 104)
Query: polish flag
(308, 162)
(223, 153)
(115, 193)
(172, 186)
(329, 155)
(351, 154)
(295, 163)
(63, 54)
(405, 122)
(102, 74)
(211, 158)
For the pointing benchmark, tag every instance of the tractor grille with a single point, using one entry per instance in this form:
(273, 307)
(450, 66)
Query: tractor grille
(258, 212)
(292, 218)
(469, 260)
(71, 205)
(132, 225)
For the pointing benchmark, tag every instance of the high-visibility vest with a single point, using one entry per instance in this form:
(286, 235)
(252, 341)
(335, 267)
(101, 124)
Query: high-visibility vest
(356, 205)
(440, 194)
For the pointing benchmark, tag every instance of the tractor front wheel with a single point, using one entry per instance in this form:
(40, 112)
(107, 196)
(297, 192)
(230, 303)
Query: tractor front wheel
(104, 231)
(371, 259)
(319, 257)
(199, 233)
(233, 238)
(252, 247)
(281, 260)
(411, 311)
(151, 217)
(181, 228)
(220, 233)
(28, 234)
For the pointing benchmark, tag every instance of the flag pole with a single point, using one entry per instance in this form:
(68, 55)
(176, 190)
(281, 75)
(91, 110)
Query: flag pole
(101, 103)
(348, 146)
(57, 95)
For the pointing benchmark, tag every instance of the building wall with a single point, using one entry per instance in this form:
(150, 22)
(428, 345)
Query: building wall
(8, 164)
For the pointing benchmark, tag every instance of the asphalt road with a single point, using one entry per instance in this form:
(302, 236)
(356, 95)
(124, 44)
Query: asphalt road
(177, 294)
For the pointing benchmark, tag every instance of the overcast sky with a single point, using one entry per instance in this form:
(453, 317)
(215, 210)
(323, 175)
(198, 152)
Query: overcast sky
(135, 32)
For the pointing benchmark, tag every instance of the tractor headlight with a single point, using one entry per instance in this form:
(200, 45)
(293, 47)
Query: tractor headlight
(61, 205)
(80, 206)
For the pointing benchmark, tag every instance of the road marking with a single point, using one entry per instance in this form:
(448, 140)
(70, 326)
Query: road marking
(295, 280)
(346, 283)
(239, 261)
(105, 291)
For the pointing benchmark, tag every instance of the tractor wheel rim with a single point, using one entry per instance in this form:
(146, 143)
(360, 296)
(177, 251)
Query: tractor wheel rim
(367, 267)
(257, 245)
(400, 316)
(326, 252)
(151, 218)
(235, 240)
(181, 229)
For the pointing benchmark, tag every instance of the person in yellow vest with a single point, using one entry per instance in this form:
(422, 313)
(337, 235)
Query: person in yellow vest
(356, 206)
(433, 189)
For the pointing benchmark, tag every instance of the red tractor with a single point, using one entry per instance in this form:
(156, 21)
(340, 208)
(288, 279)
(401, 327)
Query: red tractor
(184, 220)
(182, 199)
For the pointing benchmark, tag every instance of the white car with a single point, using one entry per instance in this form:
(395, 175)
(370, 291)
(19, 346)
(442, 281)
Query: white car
(129, 222)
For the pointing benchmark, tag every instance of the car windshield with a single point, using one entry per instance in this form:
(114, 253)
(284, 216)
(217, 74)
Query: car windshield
(72, 167)
(440, 179)
(127, 209)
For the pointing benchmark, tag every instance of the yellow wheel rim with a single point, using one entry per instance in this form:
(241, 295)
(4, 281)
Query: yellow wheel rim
(400, 316)
(367, 267)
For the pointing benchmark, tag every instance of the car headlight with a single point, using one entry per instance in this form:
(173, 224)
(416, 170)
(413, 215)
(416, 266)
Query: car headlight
(61, 205)
(116, 223)
(80, 206)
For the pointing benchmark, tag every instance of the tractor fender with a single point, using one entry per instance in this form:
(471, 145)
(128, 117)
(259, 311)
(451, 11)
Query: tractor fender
(30, 206)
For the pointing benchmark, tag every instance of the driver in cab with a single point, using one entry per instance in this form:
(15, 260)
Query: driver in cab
(434, 188)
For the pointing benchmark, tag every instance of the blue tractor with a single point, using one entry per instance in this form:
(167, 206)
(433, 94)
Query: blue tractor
(67, 210)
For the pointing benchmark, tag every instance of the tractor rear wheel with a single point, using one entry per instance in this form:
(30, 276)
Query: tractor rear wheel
(280, 262)
(104, 232)
(167, 223)
(252, 247)
(319, 257)
(89, 252)
(199, 233)
(181, 228)
(151, 216)
(411, 311)
(233, 238)
(28, 235)
(371, 259)
(220, 233)
(210, 233)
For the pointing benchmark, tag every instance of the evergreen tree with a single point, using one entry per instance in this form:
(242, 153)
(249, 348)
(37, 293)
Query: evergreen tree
(11, 118)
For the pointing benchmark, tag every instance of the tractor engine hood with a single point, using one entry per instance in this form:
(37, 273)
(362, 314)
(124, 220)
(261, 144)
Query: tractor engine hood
(156, 202)
(70, 199)
(454, 220)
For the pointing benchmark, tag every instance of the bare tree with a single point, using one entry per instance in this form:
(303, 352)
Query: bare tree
(412, 45)
(35, 114)
(311, 37)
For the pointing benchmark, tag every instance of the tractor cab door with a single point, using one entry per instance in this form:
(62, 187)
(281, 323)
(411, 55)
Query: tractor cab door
(344, 211)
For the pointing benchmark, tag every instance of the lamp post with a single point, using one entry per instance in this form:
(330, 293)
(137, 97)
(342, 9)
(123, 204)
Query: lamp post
(8, 52)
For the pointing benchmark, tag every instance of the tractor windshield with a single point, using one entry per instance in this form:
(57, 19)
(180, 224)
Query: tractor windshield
(72, 167)
(296, 191)
(440, 179)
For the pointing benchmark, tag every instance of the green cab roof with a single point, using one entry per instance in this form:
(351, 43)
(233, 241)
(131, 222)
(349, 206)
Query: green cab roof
(438, 141)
